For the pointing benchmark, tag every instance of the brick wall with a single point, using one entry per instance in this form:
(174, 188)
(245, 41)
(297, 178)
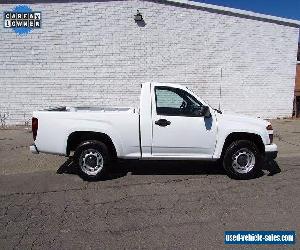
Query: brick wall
(99, 56)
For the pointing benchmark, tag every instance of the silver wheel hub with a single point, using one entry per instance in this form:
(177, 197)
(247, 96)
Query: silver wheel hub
(243, 161)
(91, 161)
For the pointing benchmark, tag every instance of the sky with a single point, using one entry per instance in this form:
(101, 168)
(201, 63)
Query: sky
(281, 8)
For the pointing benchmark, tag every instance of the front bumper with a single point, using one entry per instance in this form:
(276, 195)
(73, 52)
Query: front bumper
(271, 152)
(33, 149)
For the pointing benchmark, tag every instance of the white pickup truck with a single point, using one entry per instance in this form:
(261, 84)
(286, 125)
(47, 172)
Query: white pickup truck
(172, 123)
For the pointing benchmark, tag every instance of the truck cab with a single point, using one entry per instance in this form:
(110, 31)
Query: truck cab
(175, 123)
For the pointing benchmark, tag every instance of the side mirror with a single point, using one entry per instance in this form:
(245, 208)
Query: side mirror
(205, 111)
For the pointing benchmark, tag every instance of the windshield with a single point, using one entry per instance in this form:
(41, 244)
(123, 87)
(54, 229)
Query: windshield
(218, 110)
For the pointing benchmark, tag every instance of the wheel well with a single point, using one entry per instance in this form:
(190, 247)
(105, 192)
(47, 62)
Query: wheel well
(78, 137)
(255, 138)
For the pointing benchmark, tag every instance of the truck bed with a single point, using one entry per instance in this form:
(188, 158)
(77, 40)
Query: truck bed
(56, 125)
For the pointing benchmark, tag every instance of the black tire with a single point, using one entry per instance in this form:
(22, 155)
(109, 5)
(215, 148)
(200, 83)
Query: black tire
(238, 160)
(92, 158)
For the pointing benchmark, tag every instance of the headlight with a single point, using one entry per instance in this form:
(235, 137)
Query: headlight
(269, 127)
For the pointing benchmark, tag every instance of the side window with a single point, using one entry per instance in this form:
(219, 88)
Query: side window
(168, 99)
(172, 101)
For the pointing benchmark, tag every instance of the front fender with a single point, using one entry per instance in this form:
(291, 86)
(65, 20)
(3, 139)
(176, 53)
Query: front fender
(227, 128)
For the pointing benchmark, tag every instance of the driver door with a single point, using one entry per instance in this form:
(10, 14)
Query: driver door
(178, 130)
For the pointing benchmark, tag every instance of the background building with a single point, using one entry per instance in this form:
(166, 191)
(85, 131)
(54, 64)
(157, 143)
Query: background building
(94, 53)
(297, 89)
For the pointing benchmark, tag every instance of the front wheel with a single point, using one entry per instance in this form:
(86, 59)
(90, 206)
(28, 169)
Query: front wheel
(242, 160)
(92, 158)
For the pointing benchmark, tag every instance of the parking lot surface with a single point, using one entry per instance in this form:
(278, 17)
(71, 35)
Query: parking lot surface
(152, 205)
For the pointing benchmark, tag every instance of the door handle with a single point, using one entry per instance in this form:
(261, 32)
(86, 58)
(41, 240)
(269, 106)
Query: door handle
(162, 122)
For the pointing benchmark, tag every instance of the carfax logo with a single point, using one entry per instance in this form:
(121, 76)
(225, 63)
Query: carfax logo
(22, 19)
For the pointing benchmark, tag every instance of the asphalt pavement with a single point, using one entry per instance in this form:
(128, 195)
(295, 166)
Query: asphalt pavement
(44, 204)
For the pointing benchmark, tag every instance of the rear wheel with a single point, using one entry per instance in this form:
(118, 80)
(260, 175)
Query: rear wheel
(242, 160)
(92, 158)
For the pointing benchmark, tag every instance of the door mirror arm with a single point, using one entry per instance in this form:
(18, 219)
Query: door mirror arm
(205, 111)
